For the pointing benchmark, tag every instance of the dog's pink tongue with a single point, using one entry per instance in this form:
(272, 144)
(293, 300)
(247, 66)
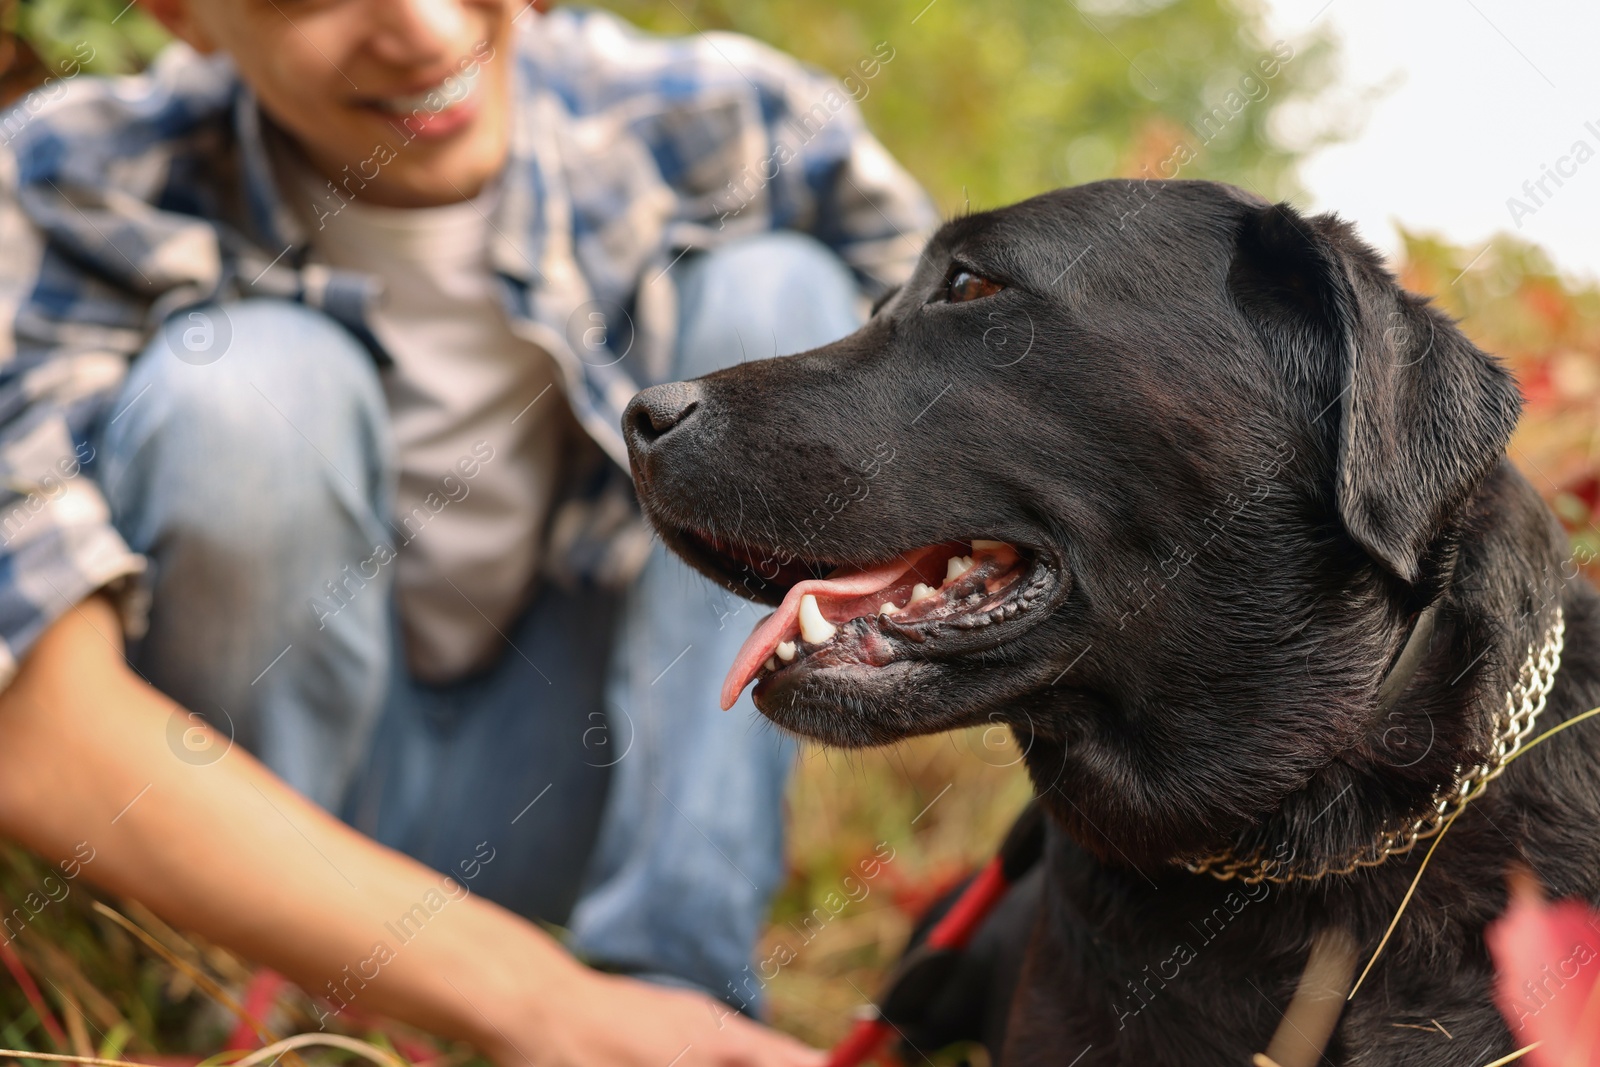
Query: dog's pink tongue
(777, 627)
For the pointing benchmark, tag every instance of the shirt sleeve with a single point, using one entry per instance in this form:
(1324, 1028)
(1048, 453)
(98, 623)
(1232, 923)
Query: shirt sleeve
(57, 542)
(824, 172)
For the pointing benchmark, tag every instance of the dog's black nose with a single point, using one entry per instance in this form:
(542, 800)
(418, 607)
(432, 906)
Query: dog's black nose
(657, 411)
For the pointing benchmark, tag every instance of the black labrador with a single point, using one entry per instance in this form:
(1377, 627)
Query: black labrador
(1183, 487)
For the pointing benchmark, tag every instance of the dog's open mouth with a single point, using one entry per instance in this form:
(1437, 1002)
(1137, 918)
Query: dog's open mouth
(869, 617)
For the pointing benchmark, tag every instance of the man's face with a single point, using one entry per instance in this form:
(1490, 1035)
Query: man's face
(415, 90)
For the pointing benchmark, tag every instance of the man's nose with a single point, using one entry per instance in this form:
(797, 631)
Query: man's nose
(658, 411)
(417, 31)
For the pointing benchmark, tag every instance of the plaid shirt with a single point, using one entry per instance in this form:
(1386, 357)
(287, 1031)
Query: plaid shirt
(124, 200)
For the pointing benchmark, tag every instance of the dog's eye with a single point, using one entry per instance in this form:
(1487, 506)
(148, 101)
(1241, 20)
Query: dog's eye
(965, 285)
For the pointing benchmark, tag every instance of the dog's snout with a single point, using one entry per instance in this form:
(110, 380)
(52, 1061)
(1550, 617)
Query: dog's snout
(659, 410)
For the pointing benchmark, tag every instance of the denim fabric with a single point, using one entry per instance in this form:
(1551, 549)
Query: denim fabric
(692, 846)
(590, 761)
(250, 480)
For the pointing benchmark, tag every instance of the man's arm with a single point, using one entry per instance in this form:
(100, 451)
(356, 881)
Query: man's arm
(229, 851)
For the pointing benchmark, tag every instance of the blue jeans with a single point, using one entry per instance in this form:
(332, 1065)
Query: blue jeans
(590, 761)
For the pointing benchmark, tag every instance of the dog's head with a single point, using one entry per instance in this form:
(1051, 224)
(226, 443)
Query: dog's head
(1155, 472)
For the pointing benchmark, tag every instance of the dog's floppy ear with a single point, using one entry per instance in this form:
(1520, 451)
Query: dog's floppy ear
(1423, 413)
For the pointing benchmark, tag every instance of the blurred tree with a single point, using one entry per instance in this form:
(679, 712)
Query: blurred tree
(985, 103)
(117, 33)
(996, 101)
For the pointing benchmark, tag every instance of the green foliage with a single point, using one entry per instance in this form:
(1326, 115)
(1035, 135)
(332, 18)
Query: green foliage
(81, 963)
(112, 996)
(997, 101)
(105, 36)
(985, 103)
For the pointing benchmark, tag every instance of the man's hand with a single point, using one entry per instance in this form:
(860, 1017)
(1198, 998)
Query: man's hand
(231, 852)
(619, 1022)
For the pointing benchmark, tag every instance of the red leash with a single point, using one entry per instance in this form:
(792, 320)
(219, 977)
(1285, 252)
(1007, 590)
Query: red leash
(930, 960)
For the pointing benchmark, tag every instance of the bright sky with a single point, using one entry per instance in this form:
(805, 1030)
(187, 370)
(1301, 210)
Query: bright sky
(1483, 95)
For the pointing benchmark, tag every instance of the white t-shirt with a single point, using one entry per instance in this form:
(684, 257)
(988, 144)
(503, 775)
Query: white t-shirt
(479, 423)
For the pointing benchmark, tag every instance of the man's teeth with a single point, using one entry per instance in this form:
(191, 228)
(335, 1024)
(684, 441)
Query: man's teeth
(813, 627)
(786, 651)
(442, 97)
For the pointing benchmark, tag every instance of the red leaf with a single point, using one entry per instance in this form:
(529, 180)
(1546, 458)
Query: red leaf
(1548, 959)
(1587, 489)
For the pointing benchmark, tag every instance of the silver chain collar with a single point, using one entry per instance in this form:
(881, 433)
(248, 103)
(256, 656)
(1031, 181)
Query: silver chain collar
(1524, 703)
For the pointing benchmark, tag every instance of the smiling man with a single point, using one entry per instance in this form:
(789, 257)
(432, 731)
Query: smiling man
(317, 338)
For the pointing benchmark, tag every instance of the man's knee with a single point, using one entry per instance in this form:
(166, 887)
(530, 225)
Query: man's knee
(239, 404)
(768, 295)
(234, 365)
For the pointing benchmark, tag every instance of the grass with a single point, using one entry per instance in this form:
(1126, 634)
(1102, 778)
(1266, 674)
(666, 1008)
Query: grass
(938, 805)
(111, 980)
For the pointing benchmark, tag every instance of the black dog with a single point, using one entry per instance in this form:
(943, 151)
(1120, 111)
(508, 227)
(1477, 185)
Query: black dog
(1183, 487)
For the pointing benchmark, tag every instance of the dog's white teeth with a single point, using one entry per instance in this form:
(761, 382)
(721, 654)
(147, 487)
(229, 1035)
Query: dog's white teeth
(887, 608)
(987, 546)
(957, 566)
(772, 663)
(786, 651)
(813, 627)
(918, 592)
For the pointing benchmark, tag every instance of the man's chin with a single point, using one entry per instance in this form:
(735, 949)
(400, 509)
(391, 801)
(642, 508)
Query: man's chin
(430, 173)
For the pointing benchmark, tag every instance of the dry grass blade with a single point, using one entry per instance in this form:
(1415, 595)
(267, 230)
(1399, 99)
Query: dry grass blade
(60, 970)
(1517, 1055)
(1403, 902)
(65, 1058)
(349, 1044)
(1445, 829)
(204, 981)
(75, 1019)
(1575, 720)
(157, 928)
(262, 1055)
(1313, 1012)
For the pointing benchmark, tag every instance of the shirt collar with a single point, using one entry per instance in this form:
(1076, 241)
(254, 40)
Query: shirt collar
(271, 219)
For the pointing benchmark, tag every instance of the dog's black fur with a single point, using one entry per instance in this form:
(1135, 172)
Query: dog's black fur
(1241, 460)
